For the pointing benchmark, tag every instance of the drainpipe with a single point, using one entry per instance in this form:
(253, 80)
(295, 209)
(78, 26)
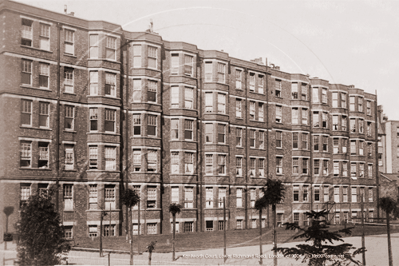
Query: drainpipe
(268, 127)
(200, 136)
(377, 176)
(246, 148)
(57, 139)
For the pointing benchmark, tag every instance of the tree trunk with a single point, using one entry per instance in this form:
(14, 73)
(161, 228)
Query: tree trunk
(274, 234)
(149, 258)
(389, 241)
(174, 235)
(260, 237)
(131, 235)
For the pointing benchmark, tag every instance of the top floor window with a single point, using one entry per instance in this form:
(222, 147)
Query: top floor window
(324, 95)
(188, 65)
(261, 82)
(110, 48)
(238, 79)
(69, 41)
(152, 57)
(368, 108)
(304, 92)
(352, 103)
(315, 95)
(26, 32)
(44, 40)
(208, 71)
(277, 88)
(360, 104)
(335, 99)
(93, 42)
(294, 91)
(343, 100)
(136, 55)
(221, 73)
(252, 82)
(175, 62)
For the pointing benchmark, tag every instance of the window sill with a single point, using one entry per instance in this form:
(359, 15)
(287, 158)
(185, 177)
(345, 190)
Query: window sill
(39, 128)
(109, 60)
(112, 97)
(153, 209)
(111, 133)
(70, 131)
(239, 147)
(71, 93)
(99, 210)
(27, 86)
(239, 118)
(70, 55)
(37, 49)
(35, 168)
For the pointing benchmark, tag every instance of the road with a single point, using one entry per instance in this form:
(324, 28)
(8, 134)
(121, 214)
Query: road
(376, 255)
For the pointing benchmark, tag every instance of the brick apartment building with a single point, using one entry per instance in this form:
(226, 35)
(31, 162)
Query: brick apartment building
(93, 107)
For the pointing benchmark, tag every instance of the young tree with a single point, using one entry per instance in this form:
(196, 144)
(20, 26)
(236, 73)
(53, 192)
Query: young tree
(273, 193)
(174, 208)
(41, 237)
(259, 205)
(130, 198)
(388, 205)
(320, 252)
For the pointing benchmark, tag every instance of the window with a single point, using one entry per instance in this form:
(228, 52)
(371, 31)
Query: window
(325, 119)
(238, 79)
(261, 167)
(109, 230)
(279, 114)
(261, 140)
(151, 125)
(361, 170)
(44, 75)
(305, 165)
(335, 99)
(295, 140)
(239, 224)
(152, 91)
(371, 198)
(151, 197)
(152, 57)
(279, 165)
(324, 95)
(189, 163)
(316, 167)
(222, 164)
(238, 166)
(208, 133)
(361, 126)
(43, 155)
(175, 63)
(238, 137)
(252, 197)
(188, 65)
(295, 113)
(175, 195)
(239, 197)
(304, 92)
(208, 102)
(209, 225)
(335, 145)
(152, 159)
(208, 164)
(110, 84)
(69, 41)
(252, 110)
(316, 143)
(252, 82)
(209, 197)
(336, 168)
(344, 145)
(305, 116)
(261, 82)
(221, 72)
(294, 91)
(343, 100)
(110, 48)
(110, 158)
(238, 108)
(25, 193)
(26, 154)
(222, 194)
(252, 138)
(189, 198)
(252, 167)
(279, 139)
(278, 87)
(353, 171)
(69, 157)
(188, 227)
(370, 170)
(92, 230)
(361, 147)
(26, 75)
(93, 42)
(325, 143)
(316, 118)
(221, 133)
(188, 98)
(68, 80)
(305, 141)
(336, 194)
(174, 128)
(136, 56)
(221, 103)
(316, 193)
(152, 228)
(353, 147)
(188, 129)
(335, 122)
(94, 83)
(208, 71)
(44, 116)
(354, 194)
(137, 160)
(315, 95)
(370, 150)
(175, 162)
(261, 112)
(26, 113)
(344, 123)
(345, 194)
(369, 130)
(325, 167)
(352, 103)
(69, 117)
(296, 218)
(368, 106)
(296, 193)
(345, 169)
(353, 125)
(93, 119)
(295, 166)
(68, 197)
(26, 32)
(326, 194)
(93, 157)
(110, 120)
(360, 104)
(174, 96)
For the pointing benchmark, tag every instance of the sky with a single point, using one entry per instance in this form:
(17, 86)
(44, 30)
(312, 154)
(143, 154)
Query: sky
(344, 42)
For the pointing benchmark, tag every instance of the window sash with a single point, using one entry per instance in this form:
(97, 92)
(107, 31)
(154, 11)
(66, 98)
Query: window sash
(189, 98)
(174, 95)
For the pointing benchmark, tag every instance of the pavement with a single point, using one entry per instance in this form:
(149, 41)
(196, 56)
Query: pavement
(376, 255)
